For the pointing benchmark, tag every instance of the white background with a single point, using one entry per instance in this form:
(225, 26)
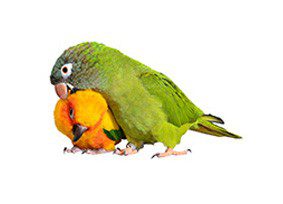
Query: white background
(225, 55)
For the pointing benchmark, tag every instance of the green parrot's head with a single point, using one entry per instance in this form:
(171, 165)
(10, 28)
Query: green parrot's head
(74, 67)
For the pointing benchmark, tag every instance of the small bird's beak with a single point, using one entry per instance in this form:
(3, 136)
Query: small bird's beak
(61, 90)
(78, 131)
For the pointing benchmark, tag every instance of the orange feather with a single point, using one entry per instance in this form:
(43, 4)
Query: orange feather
(90, 110)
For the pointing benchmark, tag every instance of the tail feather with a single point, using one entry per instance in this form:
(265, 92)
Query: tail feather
(213, 118)
(205, 125)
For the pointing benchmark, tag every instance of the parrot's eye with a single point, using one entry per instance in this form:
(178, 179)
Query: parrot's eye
(71, 113)
(66, 70)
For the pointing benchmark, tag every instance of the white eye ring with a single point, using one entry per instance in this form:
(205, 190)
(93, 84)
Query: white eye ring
(66, 70)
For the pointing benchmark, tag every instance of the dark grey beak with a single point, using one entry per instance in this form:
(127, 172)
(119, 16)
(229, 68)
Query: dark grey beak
(78, 131)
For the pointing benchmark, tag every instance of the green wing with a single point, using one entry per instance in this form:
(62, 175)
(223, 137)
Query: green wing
(115, 135)
(178, 108)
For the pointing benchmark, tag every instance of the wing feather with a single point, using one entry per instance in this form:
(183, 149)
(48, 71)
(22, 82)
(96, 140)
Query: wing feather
(178, 108)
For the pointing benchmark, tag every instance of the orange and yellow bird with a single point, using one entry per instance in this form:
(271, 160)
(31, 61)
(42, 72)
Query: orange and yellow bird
(85, 118)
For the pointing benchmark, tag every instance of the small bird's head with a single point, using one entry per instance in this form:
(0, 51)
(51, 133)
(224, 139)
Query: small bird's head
(74, 67)
(79, 113)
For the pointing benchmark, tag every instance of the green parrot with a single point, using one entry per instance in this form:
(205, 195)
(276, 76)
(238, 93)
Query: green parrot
(147, 105)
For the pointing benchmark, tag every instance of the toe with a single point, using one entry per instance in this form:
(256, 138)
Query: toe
(129, 151)
(118, 151)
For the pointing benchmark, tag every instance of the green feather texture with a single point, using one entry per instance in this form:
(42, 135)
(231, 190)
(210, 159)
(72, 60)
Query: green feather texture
(205, 125)
(115, 135)
(147, 105)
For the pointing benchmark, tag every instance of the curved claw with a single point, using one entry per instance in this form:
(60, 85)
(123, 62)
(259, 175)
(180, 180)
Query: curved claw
(84, 151)
(64, 150)
(155, 155)
(189, 150)
(117, 149)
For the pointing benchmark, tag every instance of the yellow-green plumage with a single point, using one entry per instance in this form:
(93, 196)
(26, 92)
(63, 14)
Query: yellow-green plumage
(146, 104)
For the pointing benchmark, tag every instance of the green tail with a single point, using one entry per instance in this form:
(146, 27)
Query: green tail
(205, 125)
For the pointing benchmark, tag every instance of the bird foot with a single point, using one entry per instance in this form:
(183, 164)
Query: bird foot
(73, 150)
(129, 150)
(125, 152)
(170, 152)
(94, 151)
